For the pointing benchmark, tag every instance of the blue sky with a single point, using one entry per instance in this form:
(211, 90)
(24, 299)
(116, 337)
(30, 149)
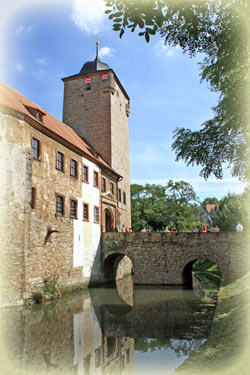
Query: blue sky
(44, 41)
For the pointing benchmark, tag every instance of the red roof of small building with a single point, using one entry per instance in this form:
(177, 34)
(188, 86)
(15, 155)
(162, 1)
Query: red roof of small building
(13, 99)
(211, 206)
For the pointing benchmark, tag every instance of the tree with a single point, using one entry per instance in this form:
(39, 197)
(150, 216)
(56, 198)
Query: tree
(155, 206)
(148, 207)
(233, 208)
(220, 30)
(181, 202)
(209, 200)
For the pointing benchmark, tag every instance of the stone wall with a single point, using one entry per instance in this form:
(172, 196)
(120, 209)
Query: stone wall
(28, 254)
(15, 185)
(120, 149)
(88, 113)
(161, 258)
(100, 116)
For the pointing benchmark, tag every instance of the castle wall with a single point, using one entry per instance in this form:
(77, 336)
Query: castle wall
(28, 254)
(120, 151)
(15, 165)
(88, 113)
(100, 115)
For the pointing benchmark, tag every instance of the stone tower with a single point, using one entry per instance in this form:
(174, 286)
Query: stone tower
(97, 107)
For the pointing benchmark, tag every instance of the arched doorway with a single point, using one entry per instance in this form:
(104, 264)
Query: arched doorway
(108, 220)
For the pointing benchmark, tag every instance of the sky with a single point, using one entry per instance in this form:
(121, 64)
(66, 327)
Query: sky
(44, 41)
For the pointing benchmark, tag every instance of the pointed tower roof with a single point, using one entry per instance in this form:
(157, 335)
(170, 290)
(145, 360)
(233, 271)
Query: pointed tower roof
(94, 66)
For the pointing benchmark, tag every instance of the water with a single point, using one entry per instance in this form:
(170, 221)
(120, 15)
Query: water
(123, 330)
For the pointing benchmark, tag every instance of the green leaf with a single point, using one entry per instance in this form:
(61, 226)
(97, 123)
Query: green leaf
(117, 20)
(108, 11)
(119, 6)
(117, 27)
(118, 14)
(121, 33)
(140, 23)
(147, 37)
(150, 31)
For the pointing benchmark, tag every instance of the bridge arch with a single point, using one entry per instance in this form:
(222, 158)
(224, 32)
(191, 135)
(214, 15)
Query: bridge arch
(187, 277)
(116, 266)
(163, 258)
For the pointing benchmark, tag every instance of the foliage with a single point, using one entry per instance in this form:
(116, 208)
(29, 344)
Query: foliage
(209, 200)
(233, 208)
(219, 30)
(47, 291)
(156, 206)
(202, 265)
(113, 244)
(50, 285)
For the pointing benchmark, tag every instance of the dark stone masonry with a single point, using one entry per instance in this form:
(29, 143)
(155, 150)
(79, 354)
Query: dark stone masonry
(167, 258)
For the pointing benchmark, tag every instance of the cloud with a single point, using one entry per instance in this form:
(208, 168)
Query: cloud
(144, 154)
(20, 29)
(106, 51)
(23, 28)
(29, 28)
(163, 50)
(88, 15)
(41, 61)
(19, 67)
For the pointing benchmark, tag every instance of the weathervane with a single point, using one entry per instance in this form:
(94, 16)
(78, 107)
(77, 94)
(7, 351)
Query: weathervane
(97, 43)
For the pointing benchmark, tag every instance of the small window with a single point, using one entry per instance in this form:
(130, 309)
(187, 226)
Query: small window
(35, 145)
(73, 168)
(33, 197)
(119, 195)
(59, 205)
(87, 87)
(73, 208)
(85, 173)
(39, 116)
(85, 212)
(96, 214)
(95, 178)
(124, 197)
(112, 188)
(87, 83)
(59, 161)
(103, 185)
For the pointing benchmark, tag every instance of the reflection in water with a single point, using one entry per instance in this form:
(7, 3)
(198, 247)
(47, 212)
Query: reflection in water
(109, 331)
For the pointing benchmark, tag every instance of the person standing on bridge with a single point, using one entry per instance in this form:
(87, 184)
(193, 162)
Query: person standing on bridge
(239, 227)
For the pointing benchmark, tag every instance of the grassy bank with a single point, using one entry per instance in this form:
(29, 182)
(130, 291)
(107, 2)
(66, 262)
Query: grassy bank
(227, 350)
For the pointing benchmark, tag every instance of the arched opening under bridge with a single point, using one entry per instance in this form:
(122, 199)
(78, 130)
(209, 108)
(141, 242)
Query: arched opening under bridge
(117, 266)
(202, 274)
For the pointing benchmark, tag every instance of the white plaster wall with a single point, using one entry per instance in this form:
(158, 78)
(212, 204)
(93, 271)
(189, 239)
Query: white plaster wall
(87, 234)
(87, 337)
(78, 319)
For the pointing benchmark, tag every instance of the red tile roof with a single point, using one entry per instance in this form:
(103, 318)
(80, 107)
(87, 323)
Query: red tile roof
(13, 99)
(211, 206)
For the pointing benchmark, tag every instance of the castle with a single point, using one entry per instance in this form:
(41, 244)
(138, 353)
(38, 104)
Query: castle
(62, 183)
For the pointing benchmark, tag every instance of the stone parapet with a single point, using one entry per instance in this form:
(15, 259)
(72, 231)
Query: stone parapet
(164, 258)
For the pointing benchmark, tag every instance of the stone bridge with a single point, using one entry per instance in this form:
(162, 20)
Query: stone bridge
(167, 258)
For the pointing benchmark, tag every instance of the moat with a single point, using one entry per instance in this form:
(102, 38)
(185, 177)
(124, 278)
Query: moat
(113, 330)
